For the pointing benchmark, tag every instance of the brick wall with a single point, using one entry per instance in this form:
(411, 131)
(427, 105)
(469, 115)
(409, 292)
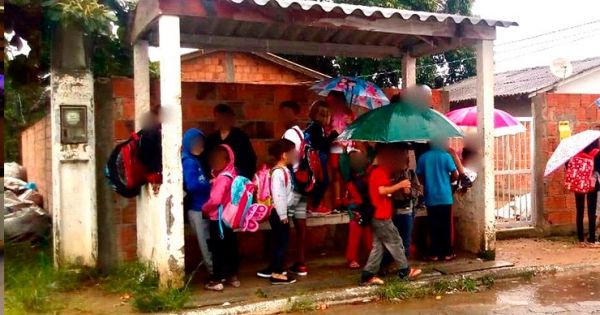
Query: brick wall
(37, 158)
(559, 204)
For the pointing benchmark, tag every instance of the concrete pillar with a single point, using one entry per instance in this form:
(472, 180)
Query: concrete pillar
(171, 264)
(475, 229)
(485, 202)
(74, 213)
(409, 71)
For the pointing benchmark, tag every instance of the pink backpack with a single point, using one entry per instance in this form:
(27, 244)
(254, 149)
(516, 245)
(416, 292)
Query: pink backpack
(580, 175)
(262, 181)
(240, 213)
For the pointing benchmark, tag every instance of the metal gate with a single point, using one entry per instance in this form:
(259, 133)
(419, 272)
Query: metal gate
(513, 165)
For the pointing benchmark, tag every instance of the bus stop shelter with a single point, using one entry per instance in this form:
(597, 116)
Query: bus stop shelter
(301, 28)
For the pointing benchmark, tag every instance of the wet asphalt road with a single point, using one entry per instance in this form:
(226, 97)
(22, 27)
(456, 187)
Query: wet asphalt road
(566, 294)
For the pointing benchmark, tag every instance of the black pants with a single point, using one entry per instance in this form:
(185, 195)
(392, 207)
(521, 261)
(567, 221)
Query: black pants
(592, 200)
(440, 230)
(320, 189)
(224, 252)
(281, 238)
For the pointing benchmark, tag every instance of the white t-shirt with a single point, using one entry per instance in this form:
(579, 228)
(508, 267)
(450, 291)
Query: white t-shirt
(293, 134)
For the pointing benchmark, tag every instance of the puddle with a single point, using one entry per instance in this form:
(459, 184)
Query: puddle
(546, 291)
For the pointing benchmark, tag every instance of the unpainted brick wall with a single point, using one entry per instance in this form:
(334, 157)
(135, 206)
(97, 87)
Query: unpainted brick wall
(577, 109)
(37, 158)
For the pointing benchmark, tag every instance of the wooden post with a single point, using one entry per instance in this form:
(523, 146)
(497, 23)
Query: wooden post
(409, 71)
(485, 107)
(171, 263)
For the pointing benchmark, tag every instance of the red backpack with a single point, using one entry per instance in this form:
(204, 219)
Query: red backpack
(124, 171)
(580, 175)
(310, 171)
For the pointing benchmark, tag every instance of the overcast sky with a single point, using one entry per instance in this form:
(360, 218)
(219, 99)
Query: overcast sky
(536, 17)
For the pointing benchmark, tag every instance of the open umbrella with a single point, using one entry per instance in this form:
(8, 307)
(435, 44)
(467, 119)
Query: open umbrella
(504, 123)
(358, 91)
(570, 147)
(400, 122)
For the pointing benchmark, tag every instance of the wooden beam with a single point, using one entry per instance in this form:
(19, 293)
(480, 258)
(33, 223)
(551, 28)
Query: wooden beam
(409, 71)
(485, 127)
(425, 49)
(287, 47)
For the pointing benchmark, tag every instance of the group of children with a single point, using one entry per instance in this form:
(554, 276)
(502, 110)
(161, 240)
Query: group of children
(373, 183)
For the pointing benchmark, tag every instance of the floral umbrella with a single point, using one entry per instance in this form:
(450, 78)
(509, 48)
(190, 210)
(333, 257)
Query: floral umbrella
(504, 123)
(400, 122)
(358, 91)
(568, 148)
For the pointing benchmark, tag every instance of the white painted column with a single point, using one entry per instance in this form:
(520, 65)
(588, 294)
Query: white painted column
(485, 122)
(74, 207)
(147, 204)
(171, 262)
(409, 71)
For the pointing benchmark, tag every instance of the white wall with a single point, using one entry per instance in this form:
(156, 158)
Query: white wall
(589, 84)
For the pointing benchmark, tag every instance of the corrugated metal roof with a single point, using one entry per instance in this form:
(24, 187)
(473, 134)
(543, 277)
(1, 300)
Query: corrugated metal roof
(366, 11)
(523, 81)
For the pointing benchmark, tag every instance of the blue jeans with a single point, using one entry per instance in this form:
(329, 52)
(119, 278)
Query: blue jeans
(404, 224)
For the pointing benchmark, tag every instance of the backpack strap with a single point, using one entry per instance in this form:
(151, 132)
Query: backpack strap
(593, 153)
(285, 174)
(226, 174)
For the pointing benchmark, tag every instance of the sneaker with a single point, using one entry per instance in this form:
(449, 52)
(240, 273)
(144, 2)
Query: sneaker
(373, 281)
(299, 270)
(266, 273)
(320, 211)
(465, 182)
(214, 286)
(277, 281)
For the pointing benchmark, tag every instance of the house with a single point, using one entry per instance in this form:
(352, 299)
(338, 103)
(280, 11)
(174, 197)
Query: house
(514, 89)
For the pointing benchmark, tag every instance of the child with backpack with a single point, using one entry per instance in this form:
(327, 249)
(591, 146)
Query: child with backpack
(385, 234)
(282, 196)
(359, 206)
(581, 178)
(320, 141)
(223, 239)
(289, 112)
(197, 189)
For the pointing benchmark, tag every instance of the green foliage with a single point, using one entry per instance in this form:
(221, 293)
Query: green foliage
(301, 305)
(31, 279)
(96, 18)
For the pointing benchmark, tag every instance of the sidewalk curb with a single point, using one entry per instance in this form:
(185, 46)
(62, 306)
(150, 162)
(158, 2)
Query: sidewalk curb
(360, 294)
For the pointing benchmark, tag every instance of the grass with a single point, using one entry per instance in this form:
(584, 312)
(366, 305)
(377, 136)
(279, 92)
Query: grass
(398, 290)
(301, 305)
(31, 279)
(31, 283)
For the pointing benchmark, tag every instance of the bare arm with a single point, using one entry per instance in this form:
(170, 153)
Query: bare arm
(457, 161)
(454, 176)
(386, 190)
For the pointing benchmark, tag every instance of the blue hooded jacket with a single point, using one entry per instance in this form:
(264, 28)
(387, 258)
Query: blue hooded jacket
(195, 182)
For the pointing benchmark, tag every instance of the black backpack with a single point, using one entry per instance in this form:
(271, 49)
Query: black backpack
(366, 210)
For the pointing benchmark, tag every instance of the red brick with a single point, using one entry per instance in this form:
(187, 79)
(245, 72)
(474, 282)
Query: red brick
(129, 214)
(122, 130)
(560, 217)
(556, 203)
(127, 235)
(122, 87)
(128, 106)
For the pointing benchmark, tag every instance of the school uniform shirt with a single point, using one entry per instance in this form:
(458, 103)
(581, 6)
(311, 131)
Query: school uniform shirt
(282, 191)
(435, 167)
(293, 134)
(378, 177)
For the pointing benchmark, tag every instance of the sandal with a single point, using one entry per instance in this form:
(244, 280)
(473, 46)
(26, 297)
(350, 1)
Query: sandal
(582, 245)
(214, 286)
(450, 257)
(234, 282)
(414, 272)
(354, 265)
(592, 245)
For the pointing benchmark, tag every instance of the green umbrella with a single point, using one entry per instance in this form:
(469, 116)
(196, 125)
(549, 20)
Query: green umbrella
(400, 122)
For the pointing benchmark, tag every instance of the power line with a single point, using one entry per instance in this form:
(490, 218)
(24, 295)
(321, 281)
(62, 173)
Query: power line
(548, 33)
(547, 48)
(549, 41)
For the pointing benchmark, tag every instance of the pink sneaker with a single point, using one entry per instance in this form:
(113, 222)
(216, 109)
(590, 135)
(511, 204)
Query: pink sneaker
(320, 211)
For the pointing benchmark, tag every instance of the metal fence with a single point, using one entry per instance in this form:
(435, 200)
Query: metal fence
(513, 169)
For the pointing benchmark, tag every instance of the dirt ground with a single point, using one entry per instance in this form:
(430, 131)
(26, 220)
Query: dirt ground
(522, 252)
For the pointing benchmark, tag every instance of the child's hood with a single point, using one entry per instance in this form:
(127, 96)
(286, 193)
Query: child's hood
(230, 168)
(188, 138)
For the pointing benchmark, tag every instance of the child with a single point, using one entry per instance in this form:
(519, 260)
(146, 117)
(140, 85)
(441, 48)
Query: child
(358, 198)
(436, 169)
(403, 202)
(282, 193)
(385, 234)
(319, 114)
(592, 200)
(196, 185)
(289, 111)
(224, 247)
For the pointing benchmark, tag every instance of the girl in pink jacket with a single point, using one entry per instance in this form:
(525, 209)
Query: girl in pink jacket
(223, 246)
